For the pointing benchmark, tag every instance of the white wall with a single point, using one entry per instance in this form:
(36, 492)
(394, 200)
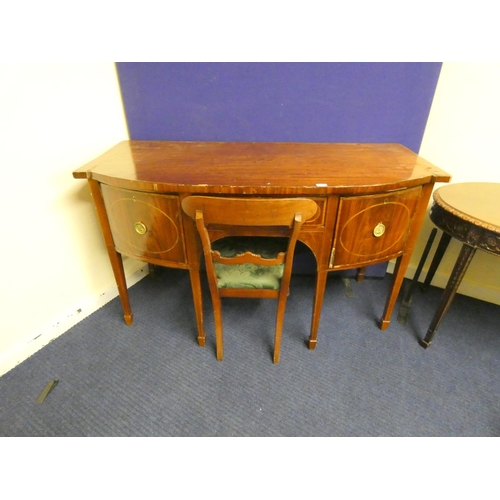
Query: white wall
(461, 137)
(54, 117)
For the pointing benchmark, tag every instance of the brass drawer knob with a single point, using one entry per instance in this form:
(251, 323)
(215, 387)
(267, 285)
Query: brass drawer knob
(140, 227)
(379, 230)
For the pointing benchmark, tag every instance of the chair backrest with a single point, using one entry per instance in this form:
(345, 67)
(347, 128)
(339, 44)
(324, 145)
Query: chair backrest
(249, 211)
(237, 212)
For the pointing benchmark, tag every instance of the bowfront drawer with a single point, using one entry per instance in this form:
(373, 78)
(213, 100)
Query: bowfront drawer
(145, 225)
(373, 228)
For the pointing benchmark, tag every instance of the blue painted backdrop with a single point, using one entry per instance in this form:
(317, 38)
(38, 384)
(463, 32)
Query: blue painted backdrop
(303, 102)
(311, 102)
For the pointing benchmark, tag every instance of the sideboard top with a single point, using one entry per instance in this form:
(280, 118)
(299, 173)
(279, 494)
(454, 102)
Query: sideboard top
(260, 167)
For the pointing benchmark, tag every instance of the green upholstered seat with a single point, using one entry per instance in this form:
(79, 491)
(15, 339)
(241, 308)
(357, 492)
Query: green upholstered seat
(249, 275)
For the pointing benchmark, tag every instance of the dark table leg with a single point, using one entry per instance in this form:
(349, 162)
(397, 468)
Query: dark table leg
(405, 306)
(440, 250)
(461, 265)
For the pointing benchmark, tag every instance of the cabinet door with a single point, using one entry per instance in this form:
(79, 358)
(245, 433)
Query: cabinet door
(145, 225)
(373, 228)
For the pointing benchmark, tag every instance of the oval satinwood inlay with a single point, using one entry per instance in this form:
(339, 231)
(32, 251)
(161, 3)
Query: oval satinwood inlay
(379, 237)
(155, 231)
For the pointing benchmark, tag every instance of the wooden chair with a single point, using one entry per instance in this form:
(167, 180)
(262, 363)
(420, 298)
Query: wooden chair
(240, 260)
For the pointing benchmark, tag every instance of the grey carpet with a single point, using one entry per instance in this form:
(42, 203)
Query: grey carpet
(152, 379)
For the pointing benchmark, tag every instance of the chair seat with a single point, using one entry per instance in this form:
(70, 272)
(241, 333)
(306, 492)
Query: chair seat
(249, 275)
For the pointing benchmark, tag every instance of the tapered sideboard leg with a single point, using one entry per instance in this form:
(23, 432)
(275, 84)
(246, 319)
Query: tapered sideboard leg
(318, 303)
(194, 275)
(115, 258)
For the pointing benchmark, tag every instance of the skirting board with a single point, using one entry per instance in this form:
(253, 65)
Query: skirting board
(23, 350)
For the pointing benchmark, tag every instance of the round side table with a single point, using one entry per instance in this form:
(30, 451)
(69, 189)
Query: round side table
(470, 213)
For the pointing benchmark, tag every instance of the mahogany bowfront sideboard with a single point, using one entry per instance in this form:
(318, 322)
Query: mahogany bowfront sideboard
(372, 199)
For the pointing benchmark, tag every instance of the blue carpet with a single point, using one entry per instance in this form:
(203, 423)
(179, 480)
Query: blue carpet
(152, 379)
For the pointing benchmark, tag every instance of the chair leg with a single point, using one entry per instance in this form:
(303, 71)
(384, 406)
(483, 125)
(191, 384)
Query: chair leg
(219, 342)
(217, 307)
(280, 315)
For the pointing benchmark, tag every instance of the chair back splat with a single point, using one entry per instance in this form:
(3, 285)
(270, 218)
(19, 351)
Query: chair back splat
(240, 262)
